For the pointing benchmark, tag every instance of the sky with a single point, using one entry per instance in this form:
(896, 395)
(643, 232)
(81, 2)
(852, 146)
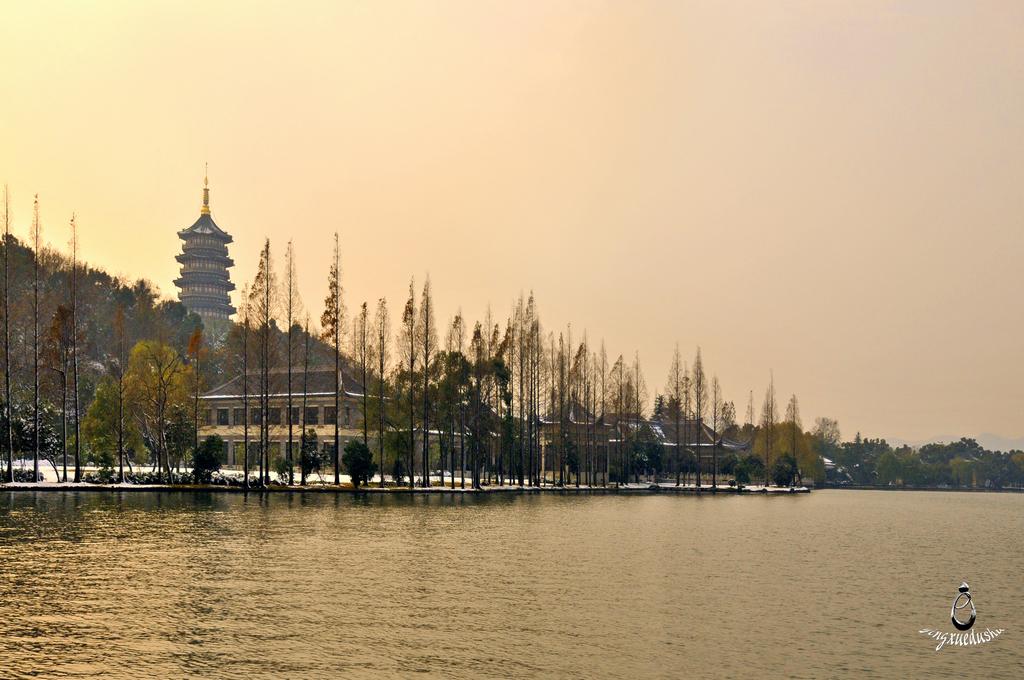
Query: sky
(832, 192)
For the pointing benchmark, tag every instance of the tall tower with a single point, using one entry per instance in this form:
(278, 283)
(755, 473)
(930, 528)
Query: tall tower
(204, 284)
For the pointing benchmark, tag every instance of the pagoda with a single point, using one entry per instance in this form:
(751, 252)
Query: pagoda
(205, 285)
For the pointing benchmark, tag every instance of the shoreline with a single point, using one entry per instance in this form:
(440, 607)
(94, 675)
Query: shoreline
(858, 487)
(628, 490)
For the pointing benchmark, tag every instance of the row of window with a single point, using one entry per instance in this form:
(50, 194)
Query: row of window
(234, 453)
(236, 416)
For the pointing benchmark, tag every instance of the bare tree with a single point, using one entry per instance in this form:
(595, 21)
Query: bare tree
(74, 350)
(59, 358)
(7, 336)
(639, 397)
(120, 365)
(795, 427)
(195, 351)
(456, 342)
(361, 347)
(604, 420)
(36, 228)
(716, 416)
(292, 303)
(245, 385)
(699, 383)
(428, 344)
(768, 421)
(407, 350)
(263, 301)
(618, 377)
(382, 328)
(674, 389)
(305, 393)
(332, 321)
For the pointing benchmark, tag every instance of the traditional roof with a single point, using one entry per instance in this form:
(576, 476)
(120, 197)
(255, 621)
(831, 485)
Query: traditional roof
(205, 224)
(207, 227)
(320, 382)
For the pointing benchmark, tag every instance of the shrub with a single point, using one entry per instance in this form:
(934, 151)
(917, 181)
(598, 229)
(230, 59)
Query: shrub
(281, 468)
(207, 459)
(25, 475)
(104, 475)
(150, 477)
(358, 462)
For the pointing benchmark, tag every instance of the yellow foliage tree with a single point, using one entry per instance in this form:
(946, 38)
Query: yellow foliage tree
(157, 384)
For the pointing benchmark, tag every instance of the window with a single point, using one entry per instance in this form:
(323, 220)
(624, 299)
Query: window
(296, 411)
(207, 417)
(239, 416)
(312, 415)
(330, 415)
(274, 416)
(222, 416)
(348, 416)
(255, 417)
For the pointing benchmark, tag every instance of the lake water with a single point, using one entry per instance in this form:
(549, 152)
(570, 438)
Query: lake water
(831, 584)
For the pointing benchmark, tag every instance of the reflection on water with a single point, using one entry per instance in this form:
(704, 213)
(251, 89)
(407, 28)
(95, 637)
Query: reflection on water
(222, 585)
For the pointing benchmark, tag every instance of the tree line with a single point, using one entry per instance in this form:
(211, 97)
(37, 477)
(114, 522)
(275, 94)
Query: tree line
(101, 371)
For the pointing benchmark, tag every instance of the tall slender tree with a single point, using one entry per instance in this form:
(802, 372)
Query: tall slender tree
(699, 382)
(768, 421)
(604, 415)
(291, 308)
(382, 328)
(332, 322)
(245, 385)
(362, 347)
(795, 427)
(59, 352)
(36, 228)
(195, 351)
(407, 348)
(428, 345)
(674, 389)
(639, 397)
(9, 438)
(458, 341)
(716, 417)
(121, 336)
(619, 395)
(305, 392)
(74, 351)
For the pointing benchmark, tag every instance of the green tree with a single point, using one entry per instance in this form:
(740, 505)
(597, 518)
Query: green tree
(311, 456)
(889, 469)
(749, 468)
(784, 470)
(100, 425)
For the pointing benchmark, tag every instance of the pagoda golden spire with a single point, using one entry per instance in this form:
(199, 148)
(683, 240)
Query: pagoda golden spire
(205, 210)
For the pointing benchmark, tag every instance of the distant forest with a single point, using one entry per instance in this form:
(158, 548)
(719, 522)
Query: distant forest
(101, 371)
